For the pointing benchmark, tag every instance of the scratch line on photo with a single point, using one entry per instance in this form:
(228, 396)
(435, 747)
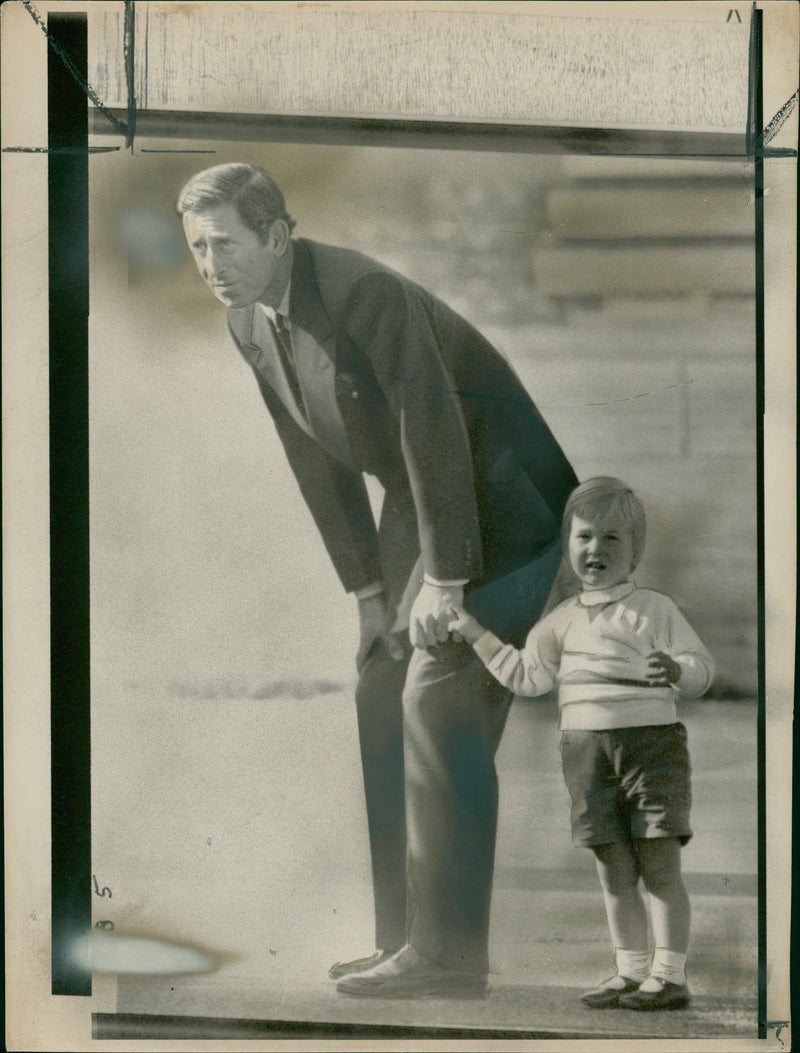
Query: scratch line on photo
(642, 395)
(779, 119)
(87, 88)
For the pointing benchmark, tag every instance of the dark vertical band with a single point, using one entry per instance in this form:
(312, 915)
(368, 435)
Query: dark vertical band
(68, 214)
(756, 145)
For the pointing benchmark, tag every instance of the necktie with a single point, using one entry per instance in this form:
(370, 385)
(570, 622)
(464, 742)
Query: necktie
(283, 341)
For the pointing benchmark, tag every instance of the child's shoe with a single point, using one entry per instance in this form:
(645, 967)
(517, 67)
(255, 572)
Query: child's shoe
(667, 996)
(607, 994)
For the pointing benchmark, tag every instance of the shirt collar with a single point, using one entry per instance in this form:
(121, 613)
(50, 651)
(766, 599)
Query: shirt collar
(597, 597)
(282, 309)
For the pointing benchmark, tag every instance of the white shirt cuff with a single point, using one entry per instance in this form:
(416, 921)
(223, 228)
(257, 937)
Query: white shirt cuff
(368, 591)
(444, 584)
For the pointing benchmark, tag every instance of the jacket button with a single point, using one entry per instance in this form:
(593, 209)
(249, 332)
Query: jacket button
(355, 395)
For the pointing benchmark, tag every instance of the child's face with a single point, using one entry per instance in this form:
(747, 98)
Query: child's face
(600, 551)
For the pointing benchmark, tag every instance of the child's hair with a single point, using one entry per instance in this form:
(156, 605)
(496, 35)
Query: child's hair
(604, 496)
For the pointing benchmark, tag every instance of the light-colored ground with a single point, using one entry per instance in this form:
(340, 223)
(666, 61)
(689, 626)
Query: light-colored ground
(236, 824)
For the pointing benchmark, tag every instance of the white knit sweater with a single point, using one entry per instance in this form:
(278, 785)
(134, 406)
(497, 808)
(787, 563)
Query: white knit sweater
(595, 647)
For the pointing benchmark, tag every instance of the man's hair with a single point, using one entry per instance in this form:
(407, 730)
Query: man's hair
(605, 496)
(255, 195)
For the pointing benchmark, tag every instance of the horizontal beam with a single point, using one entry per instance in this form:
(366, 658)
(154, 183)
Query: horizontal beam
(440, 134)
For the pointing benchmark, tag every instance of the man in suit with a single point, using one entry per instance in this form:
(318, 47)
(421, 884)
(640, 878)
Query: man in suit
(363, 371)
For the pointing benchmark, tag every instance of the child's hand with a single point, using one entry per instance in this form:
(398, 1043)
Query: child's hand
(663, 670)
(464, 627)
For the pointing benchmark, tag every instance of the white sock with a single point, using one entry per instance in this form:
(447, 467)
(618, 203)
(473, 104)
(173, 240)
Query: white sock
(635, 965)
(668, 966)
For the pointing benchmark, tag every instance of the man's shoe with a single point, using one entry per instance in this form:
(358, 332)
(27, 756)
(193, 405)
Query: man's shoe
(408, 974)
(671, 996)
(359, 965)
(606, 995)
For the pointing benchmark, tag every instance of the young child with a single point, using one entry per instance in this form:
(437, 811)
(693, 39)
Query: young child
(620, 656)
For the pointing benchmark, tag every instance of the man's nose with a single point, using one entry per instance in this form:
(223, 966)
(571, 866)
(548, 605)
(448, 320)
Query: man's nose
(209, 267)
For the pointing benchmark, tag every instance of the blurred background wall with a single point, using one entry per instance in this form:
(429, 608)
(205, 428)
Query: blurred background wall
(620, 289)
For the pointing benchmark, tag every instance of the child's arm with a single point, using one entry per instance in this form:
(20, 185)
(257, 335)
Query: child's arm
(684, 664)
(530, 671)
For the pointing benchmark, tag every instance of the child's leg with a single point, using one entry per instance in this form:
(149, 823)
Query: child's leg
(659, 861)
(660, 866)
(618, 870)
(627, 923)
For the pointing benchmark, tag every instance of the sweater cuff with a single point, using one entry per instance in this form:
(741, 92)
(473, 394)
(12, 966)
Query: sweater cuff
(488, 647)
(696, 676)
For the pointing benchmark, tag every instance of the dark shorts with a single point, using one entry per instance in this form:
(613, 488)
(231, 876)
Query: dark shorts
(628, 783)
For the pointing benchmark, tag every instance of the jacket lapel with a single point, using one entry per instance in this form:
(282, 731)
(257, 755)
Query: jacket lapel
(240, 321)
(253, 334)
(314, 347)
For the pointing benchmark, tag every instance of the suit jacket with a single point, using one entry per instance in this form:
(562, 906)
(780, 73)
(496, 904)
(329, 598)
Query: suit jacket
(430, 408)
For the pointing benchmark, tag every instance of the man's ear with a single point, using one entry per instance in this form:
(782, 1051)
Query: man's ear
(279, 234)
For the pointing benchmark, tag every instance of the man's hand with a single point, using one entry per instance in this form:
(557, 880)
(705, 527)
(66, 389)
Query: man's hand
(663, 669)
(431, 613)
(373, 623)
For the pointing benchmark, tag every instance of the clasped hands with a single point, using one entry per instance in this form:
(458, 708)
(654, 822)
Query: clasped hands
(437, 612)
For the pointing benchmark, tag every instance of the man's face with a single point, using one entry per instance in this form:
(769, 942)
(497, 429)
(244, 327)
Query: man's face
(236, 264)
(600, 551)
